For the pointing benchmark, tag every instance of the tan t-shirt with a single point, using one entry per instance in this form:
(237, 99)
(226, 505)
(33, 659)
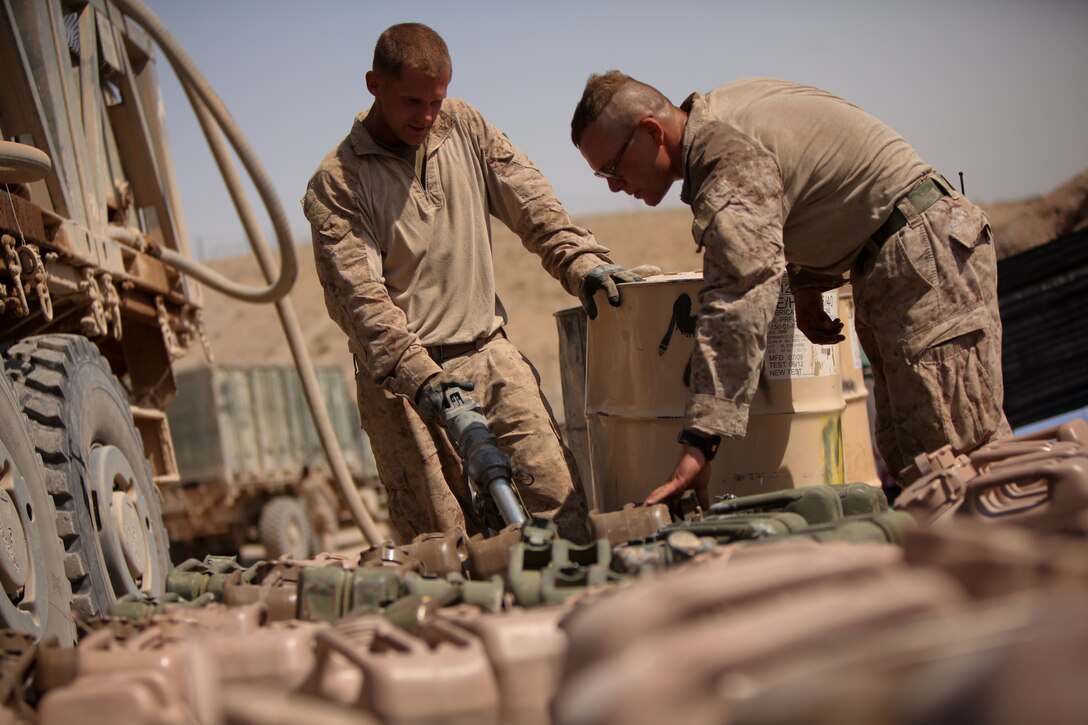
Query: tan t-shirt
(406, 264)
(775, 173)
(842, 170)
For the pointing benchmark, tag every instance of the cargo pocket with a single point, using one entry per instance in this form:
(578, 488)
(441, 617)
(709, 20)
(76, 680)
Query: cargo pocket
(334, 228)
(966, 228)
(966, 264)
(322, 219)
(507, 158)
(955, 373)
(901, 286)
(967, 224)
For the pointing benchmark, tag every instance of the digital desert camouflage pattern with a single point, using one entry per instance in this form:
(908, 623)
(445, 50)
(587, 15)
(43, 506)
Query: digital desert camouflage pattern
(406, 263)
(927, 317)
(419, 465)
(930, 324)
(736, 193)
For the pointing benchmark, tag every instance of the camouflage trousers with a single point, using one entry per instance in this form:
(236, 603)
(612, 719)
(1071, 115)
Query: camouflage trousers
(419, 466)
(927, 318)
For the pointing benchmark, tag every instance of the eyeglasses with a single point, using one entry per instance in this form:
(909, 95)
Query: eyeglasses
(609, 172)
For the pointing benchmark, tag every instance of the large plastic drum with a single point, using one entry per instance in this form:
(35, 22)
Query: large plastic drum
(572, 324)
(859, 462)
(637, 362)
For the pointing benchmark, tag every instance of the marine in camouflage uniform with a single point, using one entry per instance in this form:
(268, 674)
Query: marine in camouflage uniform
(785, 178)
(402, 241)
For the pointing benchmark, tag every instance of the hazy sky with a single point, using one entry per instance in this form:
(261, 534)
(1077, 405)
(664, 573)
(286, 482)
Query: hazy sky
(996, 89)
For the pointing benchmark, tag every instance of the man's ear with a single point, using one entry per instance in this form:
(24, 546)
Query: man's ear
(373, 82)
(651, 124)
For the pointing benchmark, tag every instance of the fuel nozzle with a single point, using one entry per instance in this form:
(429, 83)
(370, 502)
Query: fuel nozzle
(487, 466)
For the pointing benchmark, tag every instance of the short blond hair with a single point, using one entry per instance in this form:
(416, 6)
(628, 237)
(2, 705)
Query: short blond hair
(415, 46)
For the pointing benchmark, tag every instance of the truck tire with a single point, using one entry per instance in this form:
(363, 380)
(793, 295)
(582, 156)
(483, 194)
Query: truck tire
(108, 509)
(37, 597)
(284, 528)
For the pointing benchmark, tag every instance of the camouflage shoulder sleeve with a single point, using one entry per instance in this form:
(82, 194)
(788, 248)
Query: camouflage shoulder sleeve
(523, 199)
(738, 219)
(348, 263)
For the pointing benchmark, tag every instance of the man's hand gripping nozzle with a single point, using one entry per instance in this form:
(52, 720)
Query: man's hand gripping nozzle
(495, 497)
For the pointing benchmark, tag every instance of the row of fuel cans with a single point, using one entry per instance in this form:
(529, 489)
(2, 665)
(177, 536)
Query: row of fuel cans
(964, 602)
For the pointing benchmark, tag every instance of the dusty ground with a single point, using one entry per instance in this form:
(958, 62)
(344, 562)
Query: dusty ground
(251, 334)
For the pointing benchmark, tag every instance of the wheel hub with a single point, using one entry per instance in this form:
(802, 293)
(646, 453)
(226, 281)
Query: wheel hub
(131, 532)
(123, 537)
(22, 562)
(15, 563)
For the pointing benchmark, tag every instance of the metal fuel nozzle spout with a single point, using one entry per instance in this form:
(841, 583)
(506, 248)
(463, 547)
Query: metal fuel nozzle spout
(495, 496)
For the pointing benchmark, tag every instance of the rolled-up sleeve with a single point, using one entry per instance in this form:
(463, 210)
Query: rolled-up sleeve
(349, 266)
(738, 219)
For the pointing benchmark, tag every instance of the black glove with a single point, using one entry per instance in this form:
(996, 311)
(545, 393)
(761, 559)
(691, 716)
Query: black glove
(604, 276)
(429, 397)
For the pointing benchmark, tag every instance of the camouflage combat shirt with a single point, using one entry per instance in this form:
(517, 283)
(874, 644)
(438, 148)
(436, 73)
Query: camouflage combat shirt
(776, 173)
(406, 263)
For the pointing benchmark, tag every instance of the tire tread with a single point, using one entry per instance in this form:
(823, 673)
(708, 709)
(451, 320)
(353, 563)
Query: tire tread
(41, 367)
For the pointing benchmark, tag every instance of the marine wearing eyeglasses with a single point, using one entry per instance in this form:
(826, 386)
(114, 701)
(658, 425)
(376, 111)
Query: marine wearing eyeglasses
(784, 178)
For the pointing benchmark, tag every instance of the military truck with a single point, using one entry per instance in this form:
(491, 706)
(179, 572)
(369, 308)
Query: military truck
(250, 461)
(98, 299)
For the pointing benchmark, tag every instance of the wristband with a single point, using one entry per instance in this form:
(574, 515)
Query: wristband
(707, 444)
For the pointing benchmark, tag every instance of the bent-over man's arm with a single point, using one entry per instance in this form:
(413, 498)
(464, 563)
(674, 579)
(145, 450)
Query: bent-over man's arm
(739, 216)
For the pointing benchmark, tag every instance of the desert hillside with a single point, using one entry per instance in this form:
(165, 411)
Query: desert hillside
(1021, 225)
(251, 334)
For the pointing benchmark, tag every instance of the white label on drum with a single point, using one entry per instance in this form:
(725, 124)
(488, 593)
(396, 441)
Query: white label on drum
(789, 353)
